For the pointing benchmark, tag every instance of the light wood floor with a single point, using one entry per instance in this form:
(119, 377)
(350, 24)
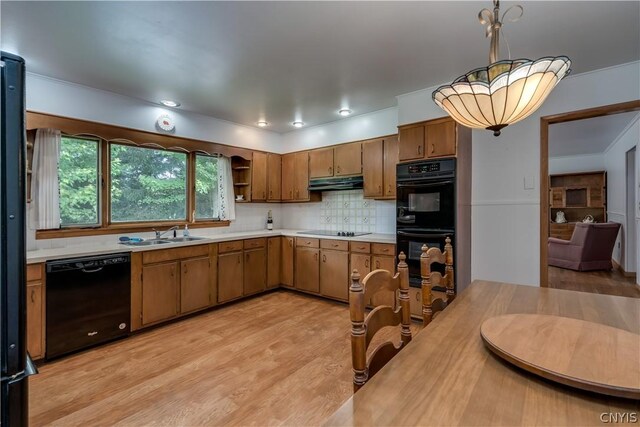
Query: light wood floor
(277, 359)
(598, 282)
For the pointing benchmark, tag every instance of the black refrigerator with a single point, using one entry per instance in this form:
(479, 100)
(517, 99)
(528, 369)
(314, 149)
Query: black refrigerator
(15, 363)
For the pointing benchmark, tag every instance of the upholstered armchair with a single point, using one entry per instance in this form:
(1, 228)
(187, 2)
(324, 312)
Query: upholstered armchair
(590, 247)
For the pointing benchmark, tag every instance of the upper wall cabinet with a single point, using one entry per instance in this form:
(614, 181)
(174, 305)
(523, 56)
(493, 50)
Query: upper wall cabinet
(295, 178)
(259, 177)
(430, 139)
(341, 160)
(265, 177)
(379, 160)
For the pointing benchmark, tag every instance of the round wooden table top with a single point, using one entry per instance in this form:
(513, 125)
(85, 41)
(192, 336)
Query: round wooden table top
(574, 352)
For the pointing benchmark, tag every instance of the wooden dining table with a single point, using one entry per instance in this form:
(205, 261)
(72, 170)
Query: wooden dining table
(446, 376)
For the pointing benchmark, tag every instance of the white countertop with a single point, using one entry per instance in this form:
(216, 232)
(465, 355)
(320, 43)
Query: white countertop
(42, 255)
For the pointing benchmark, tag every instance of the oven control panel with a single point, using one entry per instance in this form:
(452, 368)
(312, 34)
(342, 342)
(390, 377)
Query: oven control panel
(424, 168)
(430, 169)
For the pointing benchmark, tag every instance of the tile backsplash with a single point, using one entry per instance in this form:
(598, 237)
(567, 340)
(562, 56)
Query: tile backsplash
(342, 211)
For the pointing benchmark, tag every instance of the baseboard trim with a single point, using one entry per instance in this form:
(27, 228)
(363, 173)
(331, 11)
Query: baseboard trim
(624, 273)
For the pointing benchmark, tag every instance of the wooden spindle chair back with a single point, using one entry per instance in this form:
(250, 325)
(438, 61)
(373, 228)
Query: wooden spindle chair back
(364, 327)
(430, 305)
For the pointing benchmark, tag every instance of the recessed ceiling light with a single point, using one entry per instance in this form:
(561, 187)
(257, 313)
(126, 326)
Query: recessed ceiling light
(262, 123)
(169, 103)
(345, 112)
(298, 124)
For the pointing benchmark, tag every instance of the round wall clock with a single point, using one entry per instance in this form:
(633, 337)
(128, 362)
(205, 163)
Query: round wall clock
(165, 122)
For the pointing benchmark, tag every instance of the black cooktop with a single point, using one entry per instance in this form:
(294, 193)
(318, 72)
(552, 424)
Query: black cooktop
(333, 233)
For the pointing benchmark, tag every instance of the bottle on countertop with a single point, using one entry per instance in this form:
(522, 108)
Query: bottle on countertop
(269, 221)
(185, 232)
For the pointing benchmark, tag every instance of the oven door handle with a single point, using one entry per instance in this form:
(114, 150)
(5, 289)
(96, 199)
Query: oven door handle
(420, 235)
(415, 184)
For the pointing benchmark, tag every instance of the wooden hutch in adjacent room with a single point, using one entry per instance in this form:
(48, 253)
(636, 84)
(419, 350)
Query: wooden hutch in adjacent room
(577, 195)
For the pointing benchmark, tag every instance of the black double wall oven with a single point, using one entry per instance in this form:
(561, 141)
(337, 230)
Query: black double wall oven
(425, 210)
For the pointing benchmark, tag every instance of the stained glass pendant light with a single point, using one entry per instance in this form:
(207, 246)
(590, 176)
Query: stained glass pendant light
(504, 92)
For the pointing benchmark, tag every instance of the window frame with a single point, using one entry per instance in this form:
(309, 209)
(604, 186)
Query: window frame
(193, 187)
(107, 134)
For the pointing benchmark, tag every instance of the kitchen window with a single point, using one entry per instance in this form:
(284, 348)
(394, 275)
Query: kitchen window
(147, 184)
(79, 181)
(206, 194)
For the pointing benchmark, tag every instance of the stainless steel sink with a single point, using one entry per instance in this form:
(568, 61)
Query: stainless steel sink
(185, 239)
(147, 242)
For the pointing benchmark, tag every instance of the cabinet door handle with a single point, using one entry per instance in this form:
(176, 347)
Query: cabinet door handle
(390, 188)
(418, 296)
(315, 256)
(335, 245)
(186, 270)
(324, 258)
(366, 263)
(433, 148)
(291, 243)
(419, 149)
(338, 169)
(377, 264)
(291, 193)
(270, 193)
(247, 256)
(330, 170)
(239, 259)
(33, 295)
(298, 193)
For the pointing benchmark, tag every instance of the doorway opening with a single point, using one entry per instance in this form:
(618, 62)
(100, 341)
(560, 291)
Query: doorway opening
(579, 196)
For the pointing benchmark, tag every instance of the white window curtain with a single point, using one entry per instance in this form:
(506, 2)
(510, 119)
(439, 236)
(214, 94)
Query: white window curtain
(226, 196)
(45, 192)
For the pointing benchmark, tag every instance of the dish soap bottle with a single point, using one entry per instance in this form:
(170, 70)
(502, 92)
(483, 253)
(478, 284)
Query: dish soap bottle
(185, 232)
(269, 221)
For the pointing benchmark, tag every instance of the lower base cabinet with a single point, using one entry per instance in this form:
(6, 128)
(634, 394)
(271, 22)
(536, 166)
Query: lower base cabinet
(286, 261)
(195, 292)
(361, 263)
(274, 250)
(415, 302)
(230, 276)
(334, 274)
(160, 291)
(307, 271)
(35, 318)
(383, 262)
(255, 271)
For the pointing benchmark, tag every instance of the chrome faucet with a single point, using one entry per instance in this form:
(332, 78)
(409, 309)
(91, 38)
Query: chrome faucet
(160, 234)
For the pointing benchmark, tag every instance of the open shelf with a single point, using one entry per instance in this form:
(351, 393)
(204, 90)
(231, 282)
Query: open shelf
(241, 169)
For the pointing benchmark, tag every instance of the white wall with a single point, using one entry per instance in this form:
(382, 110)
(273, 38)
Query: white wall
(580, 163)
(364, 126)
(66, 99)
(615, 165)
(505, 215)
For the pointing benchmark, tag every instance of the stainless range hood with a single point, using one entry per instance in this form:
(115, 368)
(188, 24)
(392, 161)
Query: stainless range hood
(336, 184)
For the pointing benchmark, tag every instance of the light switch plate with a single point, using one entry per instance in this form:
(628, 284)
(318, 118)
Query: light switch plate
(529, 182)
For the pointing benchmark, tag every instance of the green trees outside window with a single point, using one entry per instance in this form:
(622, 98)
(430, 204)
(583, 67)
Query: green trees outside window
(206, 187)
(78, 175)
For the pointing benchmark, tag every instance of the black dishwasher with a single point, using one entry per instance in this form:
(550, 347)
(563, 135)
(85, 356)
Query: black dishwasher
(88, 302)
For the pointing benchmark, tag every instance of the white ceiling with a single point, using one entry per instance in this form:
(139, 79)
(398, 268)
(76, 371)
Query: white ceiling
(589, 136)
(285, 61)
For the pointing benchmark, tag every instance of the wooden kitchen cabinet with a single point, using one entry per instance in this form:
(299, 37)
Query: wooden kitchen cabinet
(373, 167)
(35, 296)
(274, 177)
(230, 276)
(334, 274)
(35, 319)
(255, 271)
(440, 138)
(259, 176)
(301, 188)
(160, 292)
(415, 302)
(411, 142)
(307, 269)
(362, 263)
(288, 177)
(321, 163)
(195, 288)
(383, 262)
(390, 162)
(348, 159)
(286, 261)
(274, 250)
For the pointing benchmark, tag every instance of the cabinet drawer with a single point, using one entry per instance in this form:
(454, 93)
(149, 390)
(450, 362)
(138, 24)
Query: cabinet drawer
(338, 245)
(383, 249)
(34, 272)
(225, 247)
(255, 243)
(161, 255)
(361, 247)
(307, 242)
